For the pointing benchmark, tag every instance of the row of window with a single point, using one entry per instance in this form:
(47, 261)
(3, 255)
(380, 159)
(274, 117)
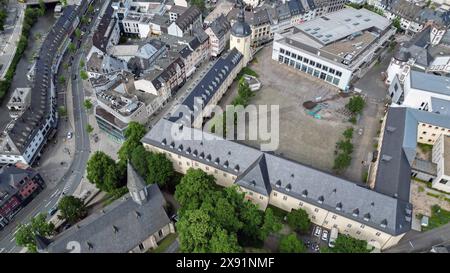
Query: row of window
(311, 62)
(310, 70)
(334, 217)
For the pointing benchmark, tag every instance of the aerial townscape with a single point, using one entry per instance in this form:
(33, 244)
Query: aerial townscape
(224, 126)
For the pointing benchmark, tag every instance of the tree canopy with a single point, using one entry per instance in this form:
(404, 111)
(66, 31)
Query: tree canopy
(26, 234)
(133, 134)
(214, 219)
(105, 173)
(356, 104)
(291, 244)
(72, 209)
(298, 219)
(347, 244)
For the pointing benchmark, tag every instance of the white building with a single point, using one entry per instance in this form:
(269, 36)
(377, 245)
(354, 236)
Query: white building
(335, 47)
(423, 91)
(186, 22)
(441, 156)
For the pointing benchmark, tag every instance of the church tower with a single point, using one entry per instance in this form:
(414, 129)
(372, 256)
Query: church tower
(240, 37)
(136, 186)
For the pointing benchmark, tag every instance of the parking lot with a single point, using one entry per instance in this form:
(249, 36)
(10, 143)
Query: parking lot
(315, 241)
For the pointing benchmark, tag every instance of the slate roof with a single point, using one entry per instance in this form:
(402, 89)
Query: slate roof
(220, 26)
(103, 31)
(430, 82)
(118, 228)
(211, 82)
(425, 166)
(188, 17)
(398, 149)
(10, 176)
(263, 172)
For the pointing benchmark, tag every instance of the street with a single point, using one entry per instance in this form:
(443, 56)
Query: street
(50, 196)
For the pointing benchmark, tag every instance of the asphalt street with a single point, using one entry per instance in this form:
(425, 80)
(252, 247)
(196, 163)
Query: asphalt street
(70, 181)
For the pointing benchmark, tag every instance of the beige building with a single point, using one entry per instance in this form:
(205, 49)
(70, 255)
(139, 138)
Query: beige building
(266, 179)
(441, 156)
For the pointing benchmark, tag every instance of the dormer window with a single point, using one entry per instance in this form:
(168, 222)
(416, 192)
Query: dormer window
(195, 153)
(321, 199)
(217, 161)
(384, 223)
(208, 158)
(278, 184)
(164, 142)
(356, 212)
(367, 217)
(339, 206)
(236, 168)
(305, 193)
(288, 187)
(188, 150)
(225, 164)
(180, 148)
(202, 155)
(172, 145)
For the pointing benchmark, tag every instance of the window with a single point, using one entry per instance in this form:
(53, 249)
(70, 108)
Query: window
(207, 168)
(338, 73)
(349, 225)
(311, 62)
(188, 164)
(141, 247)
(300, 204)
(261, 197)
(331, 70)
(313, 217)
(280, 58)
(443, 181)
(325, 68)
(336, 81)
(275, 194)
(224, 174)
(316, 210)
(358, 232)
(250, 193)
(294, 55)
(298, 66)
(160, 233)
(286, 60)
(316, 73)
(318, 65)
(305, 60)
(310, 70)
(285, 198)
(304, 68)
(329, 78)
(334, 217)
(300, 58)
(288, 53)
(291, 63)
(362, 226)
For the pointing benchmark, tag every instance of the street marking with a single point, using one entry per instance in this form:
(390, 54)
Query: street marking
(411, 244)
(48, 204)
(12, 239)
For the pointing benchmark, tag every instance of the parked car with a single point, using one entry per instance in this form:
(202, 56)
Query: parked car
(317, 231)
(325, 235)
(333, 236)
(69, 135)
(52, 211)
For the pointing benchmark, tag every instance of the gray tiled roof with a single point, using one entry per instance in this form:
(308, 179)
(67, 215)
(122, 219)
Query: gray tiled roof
(289, 177)
(430, 82)
(118, 228)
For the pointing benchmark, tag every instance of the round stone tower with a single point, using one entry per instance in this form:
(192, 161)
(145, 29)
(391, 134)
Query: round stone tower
(240, 36)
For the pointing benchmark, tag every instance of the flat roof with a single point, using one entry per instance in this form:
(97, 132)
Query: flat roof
(430, 82)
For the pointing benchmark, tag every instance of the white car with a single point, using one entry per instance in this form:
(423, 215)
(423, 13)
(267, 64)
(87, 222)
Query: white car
(317, 231)
(69, 135)
(325, 235)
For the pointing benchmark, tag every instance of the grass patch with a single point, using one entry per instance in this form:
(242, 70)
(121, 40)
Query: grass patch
(433, 195)
(164, 244)
(439, 217)
(421, 189)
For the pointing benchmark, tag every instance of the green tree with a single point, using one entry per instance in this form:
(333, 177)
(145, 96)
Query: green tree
(223, 242)
(348, 134)
(298, 220)
(72, 209)
(347, 244)
(84, 75)
(78, 33)
(26, 234)
(139, 158)
(225, 213)
(104, 172)
(193, 188)
(345, 146)
(396, 23)
(72, 48)
(82, 63)
(62, 79)
(133, 134)
(87, 104)
(342, 161)
(42, 8)
(291, 244)
(199, 3)
(89, 129)
(91, 8)
(356, 104)
(195, 230)
(252, 218)
(160, 169)
(271, 224)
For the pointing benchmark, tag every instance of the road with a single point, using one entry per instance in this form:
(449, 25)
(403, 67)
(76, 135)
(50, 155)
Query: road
(422, 242)
(70, 181)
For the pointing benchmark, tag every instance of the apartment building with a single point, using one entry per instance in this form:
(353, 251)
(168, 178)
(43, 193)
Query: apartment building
(259, 22)
(219, 35)
(335, 48)
(266, 179)
(19, 102)
(24, 138)
(186, 22)
(106, 35)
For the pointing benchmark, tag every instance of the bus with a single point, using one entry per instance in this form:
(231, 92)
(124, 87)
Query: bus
(333, 236)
